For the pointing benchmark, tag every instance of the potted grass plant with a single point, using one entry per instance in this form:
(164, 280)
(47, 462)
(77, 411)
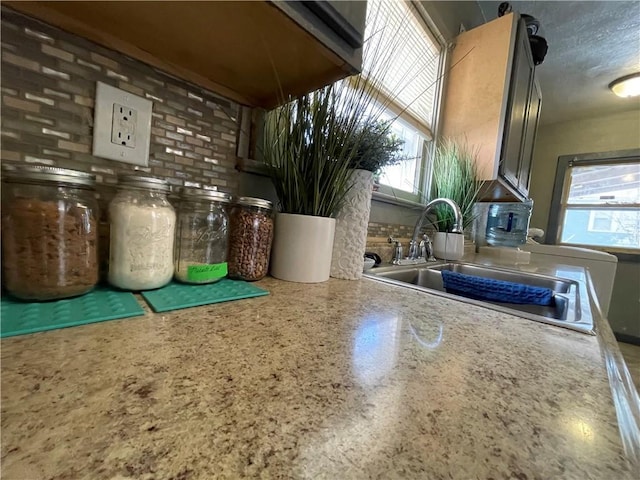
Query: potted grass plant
(310, 147)
(308, 154)
(455, 176)
(311, 144)
(374, 147)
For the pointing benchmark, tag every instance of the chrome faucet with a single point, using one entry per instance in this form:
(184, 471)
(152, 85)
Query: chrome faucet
(457, 226)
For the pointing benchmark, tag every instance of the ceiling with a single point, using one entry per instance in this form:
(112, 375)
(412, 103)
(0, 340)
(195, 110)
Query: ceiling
(590, 45)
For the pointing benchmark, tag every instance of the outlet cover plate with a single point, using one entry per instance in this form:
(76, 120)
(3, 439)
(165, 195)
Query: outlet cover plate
(103, 145)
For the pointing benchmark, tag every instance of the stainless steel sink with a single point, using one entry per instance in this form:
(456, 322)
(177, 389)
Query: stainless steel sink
(569, 306)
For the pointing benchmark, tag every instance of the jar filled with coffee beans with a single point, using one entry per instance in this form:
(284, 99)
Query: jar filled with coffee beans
(250, 236)
(49, 232)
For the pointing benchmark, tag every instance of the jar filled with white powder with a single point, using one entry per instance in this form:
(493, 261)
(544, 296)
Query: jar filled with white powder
(142, 234)
(201, 236)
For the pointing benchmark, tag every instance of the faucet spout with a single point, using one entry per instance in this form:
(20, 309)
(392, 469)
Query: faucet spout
(457, 226)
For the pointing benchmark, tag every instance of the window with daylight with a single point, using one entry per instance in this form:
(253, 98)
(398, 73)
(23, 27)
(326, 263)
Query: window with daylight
(408, 80)
(599, 203)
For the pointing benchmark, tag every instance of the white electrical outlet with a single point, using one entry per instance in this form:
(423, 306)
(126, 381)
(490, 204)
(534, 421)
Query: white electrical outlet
(123, 129)
(121, 126)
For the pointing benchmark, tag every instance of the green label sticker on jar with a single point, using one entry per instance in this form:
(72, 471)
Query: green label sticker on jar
(207, 271)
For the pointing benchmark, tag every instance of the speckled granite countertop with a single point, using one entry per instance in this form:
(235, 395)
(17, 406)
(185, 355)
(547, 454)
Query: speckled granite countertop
(343, 380)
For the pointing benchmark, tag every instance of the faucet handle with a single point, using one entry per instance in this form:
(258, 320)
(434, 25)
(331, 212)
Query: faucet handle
(426, 248)
(397, 253)
(414, 249)
(423, 247)
(397, 250)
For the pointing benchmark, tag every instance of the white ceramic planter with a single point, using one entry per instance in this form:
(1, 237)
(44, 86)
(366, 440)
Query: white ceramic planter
(302, 246)
(352, 222)
(448, 246)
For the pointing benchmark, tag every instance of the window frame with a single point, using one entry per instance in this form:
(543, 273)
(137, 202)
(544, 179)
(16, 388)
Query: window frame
(561, 191)
(430, 134)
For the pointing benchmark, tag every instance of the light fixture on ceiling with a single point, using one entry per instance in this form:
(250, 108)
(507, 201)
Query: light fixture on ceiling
(627, 86)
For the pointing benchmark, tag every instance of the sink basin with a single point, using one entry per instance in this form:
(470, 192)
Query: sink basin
(569, 306)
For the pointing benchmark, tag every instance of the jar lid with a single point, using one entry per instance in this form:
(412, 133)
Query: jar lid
(46, 173)
(202, 193)
(253, 202)
(152, 183)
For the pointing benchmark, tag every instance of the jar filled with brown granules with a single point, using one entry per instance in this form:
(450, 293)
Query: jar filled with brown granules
(250, 237)
(49, 232)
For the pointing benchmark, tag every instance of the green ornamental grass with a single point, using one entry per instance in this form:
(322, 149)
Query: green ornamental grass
(455, 176)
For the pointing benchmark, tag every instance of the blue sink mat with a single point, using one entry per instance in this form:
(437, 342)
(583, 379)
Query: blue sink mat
(480, 288)
(179, 295)
(19, 317)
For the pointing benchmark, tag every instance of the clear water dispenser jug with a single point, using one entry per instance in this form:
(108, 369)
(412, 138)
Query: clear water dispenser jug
(508, 223)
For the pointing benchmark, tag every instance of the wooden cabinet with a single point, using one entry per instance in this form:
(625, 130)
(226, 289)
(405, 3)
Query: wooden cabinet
(337, 25)
(492, 102)
(346, 20)
(256, 53)
(531, 128)
(521, 77)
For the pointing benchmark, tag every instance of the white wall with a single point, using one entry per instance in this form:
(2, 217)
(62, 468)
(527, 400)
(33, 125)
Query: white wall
(624, 312)
(448, 16)
(620, 131)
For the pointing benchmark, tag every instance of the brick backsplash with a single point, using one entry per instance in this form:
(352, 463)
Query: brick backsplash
(48, 88)
(385, 230)
(378, 234)
(48, 83)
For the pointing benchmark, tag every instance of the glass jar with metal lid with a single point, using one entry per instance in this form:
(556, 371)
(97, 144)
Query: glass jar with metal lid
(250, 237)
(142, 234)
(201, 236)
(49, 232)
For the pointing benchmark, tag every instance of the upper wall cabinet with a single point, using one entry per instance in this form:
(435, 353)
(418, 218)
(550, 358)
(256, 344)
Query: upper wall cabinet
(256, 53)
(492, 102)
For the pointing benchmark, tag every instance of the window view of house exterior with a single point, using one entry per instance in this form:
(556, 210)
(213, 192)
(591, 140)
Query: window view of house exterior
(406, 176)
(602, 206)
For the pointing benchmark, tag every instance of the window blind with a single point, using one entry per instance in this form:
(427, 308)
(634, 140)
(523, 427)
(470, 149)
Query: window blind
(401, 57)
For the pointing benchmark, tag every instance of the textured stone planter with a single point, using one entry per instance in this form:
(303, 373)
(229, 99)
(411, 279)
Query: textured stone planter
(352, 222)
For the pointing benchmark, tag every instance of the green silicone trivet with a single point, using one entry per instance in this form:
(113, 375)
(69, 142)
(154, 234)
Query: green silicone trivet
(19, 318)
(178, 295)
